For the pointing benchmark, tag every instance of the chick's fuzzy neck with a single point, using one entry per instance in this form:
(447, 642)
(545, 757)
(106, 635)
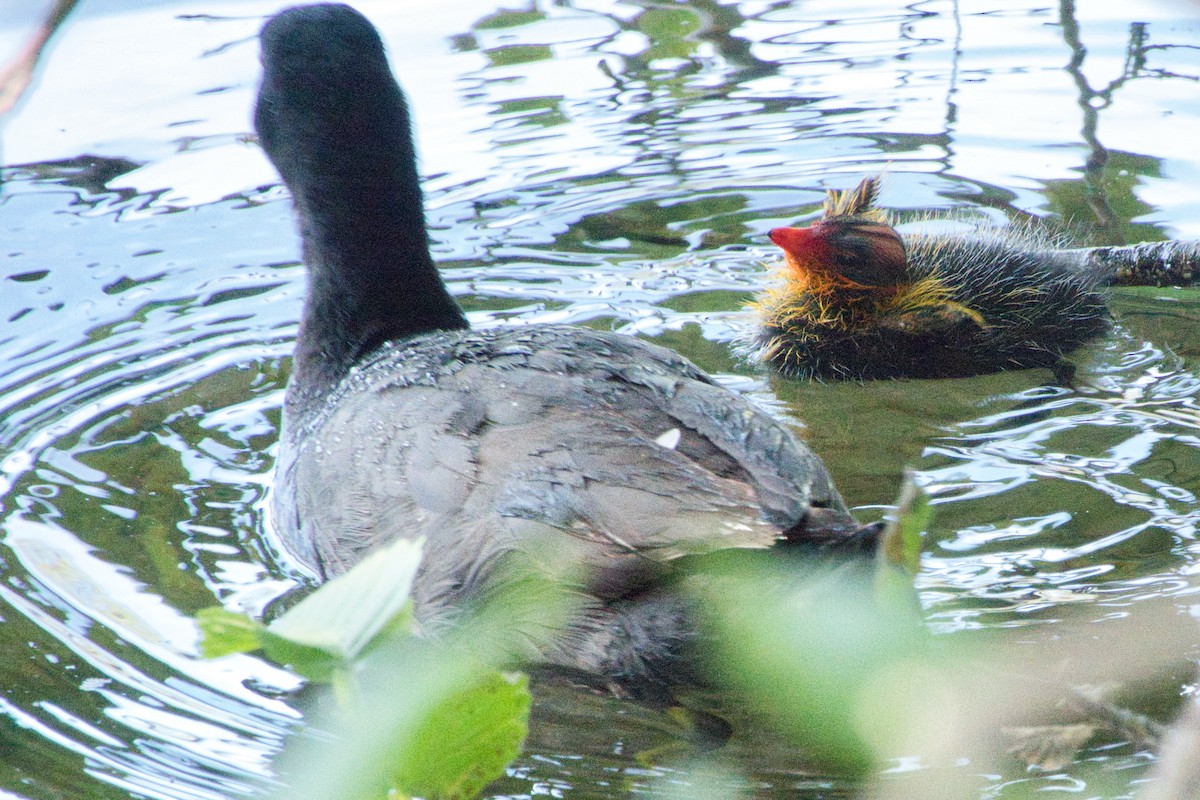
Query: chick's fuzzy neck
(808, 296)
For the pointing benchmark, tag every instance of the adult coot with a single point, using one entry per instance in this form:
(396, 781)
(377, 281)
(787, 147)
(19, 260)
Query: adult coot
(401, 421)
(855, 299)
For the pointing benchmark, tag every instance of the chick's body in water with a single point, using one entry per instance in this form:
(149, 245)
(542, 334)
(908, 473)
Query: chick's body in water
(856, 300)
(524, 442)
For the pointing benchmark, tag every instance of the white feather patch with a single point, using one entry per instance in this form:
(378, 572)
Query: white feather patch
(669, 439)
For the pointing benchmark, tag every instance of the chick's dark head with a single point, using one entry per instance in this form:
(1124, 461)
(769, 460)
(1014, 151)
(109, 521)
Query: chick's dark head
(846, 251)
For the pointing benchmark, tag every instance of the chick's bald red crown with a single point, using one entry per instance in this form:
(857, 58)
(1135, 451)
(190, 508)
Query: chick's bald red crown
(846, 249)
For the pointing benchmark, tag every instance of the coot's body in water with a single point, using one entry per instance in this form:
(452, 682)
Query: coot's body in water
(855, 299)
(400, 421)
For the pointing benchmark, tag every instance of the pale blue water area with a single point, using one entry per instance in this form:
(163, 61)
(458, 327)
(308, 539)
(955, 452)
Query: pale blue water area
(610, 163)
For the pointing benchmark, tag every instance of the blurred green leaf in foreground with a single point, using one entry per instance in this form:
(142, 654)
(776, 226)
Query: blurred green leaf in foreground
(415, 718)
(838, 659)
(814, 650)
(834, 654)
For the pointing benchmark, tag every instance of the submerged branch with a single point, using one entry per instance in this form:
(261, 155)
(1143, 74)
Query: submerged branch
(1147, 264)
(1138, 729)
(16, 76)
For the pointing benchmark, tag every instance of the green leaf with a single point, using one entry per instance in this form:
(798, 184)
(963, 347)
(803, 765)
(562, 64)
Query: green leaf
(898, 557)
(224, 633)
(812, 651)
(310, 663)
(900, 542)
(467, 740)
(343, 616)
(427, 717)
(430, 720)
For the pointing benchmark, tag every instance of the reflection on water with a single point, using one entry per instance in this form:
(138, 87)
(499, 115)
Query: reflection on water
(602, 163)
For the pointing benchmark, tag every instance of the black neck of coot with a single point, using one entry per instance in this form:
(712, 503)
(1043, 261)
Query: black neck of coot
(335, 124)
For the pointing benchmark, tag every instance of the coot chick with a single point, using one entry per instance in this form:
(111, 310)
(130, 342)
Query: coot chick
(401, 421)
(855, 299)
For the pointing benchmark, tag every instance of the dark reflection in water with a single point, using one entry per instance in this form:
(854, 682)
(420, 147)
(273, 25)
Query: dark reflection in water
(607, 164)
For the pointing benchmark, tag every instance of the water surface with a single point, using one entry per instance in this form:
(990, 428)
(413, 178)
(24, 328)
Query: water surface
(614, 164)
